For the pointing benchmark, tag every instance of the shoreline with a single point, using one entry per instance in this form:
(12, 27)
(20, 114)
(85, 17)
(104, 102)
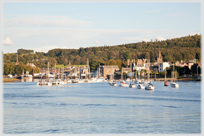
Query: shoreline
(8, 80)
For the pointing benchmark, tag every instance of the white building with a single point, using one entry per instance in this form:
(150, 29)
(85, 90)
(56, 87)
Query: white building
(163, 66)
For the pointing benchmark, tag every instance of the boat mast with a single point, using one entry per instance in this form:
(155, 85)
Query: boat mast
(122, 74)
(63, 72)
(173, 72)
(149, 71)
(165, 75)
(55, 73)
(99, 70)
(88, 68)
(48, 71)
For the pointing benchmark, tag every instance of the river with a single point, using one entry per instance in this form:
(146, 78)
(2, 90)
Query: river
(98, 108)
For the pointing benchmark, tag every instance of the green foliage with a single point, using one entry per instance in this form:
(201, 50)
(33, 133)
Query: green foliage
(126, 55)
(95, 64)
(23, 51)
(172, 50)
(10, 68)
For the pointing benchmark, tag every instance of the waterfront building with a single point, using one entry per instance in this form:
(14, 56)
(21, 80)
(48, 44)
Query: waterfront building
(108, 70)
(163, 66)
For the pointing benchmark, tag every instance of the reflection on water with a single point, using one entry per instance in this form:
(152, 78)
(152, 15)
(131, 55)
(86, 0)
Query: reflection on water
(98, 108)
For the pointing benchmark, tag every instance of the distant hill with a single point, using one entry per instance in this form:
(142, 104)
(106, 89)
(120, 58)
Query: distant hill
(184, 48)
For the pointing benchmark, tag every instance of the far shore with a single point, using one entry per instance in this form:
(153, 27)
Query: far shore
(7, 80)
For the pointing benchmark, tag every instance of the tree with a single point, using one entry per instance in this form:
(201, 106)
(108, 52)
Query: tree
(126, 55)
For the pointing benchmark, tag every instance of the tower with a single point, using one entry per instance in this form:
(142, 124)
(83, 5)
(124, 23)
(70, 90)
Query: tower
(159, 59)
(17, 60)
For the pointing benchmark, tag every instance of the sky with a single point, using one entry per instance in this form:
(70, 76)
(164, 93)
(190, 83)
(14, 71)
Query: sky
(42, 26)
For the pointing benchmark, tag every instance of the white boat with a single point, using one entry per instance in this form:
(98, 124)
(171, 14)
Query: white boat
(138, 81)
(99, 79)
(173, 83)
(123, 84)
(140, 86)
(112, 83)
(44, 83)
(132, 85)
(60, 82)
(149, 86)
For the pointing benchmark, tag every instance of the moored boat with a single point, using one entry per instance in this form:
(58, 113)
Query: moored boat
(149, 86)
(166, 83)
(140, 86)
(112, 83)
(132, 85)
(123, 84)
(174, 84)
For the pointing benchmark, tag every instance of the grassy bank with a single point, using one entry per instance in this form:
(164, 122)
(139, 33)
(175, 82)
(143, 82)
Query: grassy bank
(61, 66)
(5, 80)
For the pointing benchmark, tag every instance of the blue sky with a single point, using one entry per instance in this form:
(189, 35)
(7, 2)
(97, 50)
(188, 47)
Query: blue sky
(49, 25)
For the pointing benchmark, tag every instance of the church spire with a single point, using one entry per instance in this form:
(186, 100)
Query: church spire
(17, 60)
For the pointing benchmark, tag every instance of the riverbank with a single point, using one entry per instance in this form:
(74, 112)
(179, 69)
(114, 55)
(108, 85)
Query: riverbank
(6, 80)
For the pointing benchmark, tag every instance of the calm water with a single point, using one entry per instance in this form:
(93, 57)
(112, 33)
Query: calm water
(98, 108)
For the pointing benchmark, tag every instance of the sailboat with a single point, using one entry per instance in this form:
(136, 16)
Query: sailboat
(165, 81)
(173, 83)
(149, 86)
(45, 83)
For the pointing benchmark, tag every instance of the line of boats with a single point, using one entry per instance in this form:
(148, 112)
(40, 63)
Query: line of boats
(135, 84)
(68, 81)
(141, 84)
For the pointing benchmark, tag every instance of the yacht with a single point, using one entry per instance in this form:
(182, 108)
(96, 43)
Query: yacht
(149, 86)
(132, 85)
(140, 86)
(173, 83)
(112, 83)
(123, 84)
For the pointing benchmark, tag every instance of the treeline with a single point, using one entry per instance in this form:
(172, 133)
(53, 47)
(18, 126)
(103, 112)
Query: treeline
(184, 48)
(10, 68)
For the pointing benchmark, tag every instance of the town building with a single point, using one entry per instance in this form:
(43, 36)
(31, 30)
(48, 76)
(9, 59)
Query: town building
(163, 66)
(31, 64)
(108, 70)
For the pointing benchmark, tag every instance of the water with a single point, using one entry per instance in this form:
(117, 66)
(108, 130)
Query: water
(98, 108)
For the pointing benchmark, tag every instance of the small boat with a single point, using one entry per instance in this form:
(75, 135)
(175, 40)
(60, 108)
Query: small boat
(166, 83)
(132, 85)
(140, 86)
(123, 84)
(174, 84)
(112, 83)
(149, 86)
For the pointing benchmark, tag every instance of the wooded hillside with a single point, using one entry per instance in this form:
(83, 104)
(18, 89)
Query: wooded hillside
(184, 48)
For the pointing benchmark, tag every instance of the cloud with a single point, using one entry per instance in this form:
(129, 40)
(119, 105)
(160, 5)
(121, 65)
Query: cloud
(191, 34)
(151, 11)
(43, 21)
(177, 14)
(44, 39)
(96, 42)
(7, 41)
(160, 38)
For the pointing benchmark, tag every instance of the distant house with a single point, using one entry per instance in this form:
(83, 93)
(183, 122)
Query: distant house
(31, 64)
(126, 70)
(163, 66)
